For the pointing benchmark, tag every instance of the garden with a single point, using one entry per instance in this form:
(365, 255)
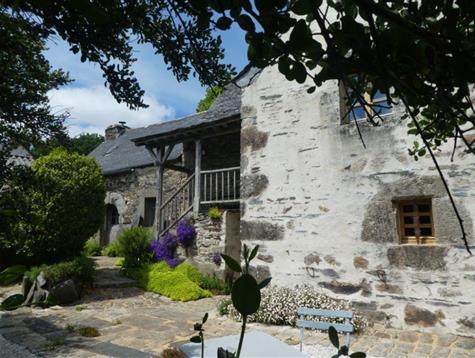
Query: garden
(49, 211)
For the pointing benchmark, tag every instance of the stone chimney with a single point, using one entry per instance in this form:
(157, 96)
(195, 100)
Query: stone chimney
(115, 130)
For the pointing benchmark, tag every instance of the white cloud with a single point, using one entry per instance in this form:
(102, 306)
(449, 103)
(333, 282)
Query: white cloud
(92, 109)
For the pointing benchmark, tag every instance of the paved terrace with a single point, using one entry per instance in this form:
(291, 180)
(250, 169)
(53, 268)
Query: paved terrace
(134, 323)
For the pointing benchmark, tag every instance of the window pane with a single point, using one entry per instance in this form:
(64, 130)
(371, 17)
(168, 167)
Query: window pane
(358, 112)
(409, 231)
(408, 220)
(408, 208)
(424, 220)
(426, 231)
(424, 208)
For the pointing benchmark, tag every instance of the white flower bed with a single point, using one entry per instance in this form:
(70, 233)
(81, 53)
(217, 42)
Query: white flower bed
(279, 306)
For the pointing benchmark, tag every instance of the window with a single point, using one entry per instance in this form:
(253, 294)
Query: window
(359, 112)
(149, 211)
(415, 220)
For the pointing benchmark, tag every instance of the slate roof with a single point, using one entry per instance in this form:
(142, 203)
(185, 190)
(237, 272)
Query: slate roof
(227, 105)
(121, 154)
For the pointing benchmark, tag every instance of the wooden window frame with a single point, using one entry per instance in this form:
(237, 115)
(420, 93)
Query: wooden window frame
(417, 239)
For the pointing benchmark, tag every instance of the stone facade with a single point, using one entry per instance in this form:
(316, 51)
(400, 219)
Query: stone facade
(127, 192)
(324, 209)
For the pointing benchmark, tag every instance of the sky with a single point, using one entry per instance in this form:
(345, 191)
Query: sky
(92, 108)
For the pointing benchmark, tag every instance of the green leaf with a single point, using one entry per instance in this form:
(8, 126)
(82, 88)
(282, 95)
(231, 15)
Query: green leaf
(358, 355)
(195, 339)
(304, 7)
(232, 264)
(205, 318)
(300, 73)
(11, 303)
(224, 23)
(246, 23)
(254, 252)
(264, 283)
(12, 274)
(333, 335)
(246, 295)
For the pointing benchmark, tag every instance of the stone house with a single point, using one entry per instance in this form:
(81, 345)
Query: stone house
(131, 180)
(372, 226)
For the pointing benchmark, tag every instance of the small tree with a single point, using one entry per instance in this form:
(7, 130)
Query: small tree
(54, 208)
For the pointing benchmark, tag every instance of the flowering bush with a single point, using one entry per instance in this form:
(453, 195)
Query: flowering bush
(186, 234)
(279, 306)
(217, 259)
(164, 249)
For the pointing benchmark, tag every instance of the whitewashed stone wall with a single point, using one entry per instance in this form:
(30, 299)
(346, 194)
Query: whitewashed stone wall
(321, 207)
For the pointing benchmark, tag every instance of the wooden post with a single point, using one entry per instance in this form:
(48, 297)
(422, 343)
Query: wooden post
(196, 201)
(160, 170)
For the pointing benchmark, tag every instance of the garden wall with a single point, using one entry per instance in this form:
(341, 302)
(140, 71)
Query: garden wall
(324, 208)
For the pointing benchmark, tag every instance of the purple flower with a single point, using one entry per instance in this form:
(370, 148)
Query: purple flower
(164, 249)
(186, 234)
(217, 259)
(174, 262)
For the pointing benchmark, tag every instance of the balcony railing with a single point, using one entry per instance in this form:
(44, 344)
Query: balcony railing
(220, 185)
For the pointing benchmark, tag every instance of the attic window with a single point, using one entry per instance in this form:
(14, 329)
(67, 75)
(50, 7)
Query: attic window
(359, 112)
(416, 225)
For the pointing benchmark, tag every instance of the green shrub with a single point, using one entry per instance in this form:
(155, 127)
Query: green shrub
(179, 284)
(92, 247)
(223, 306)
(58, 205)
(12, 274)
(215, 213)
(111, 250)
(215, 285)
(134, 246)
(80, 269)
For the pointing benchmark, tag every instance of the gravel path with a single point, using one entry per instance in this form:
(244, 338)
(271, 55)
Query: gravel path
(12, 350)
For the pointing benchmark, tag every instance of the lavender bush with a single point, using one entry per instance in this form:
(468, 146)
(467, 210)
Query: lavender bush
(186, 234)
(164, 249)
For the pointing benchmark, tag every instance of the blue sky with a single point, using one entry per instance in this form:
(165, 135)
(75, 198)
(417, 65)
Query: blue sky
(93, 108)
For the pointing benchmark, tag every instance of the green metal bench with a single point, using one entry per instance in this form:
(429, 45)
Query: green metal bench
(346, 327)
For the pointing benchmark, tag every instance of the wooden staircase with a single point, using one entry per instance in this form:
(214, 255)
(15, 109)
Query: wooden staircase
(221, 186)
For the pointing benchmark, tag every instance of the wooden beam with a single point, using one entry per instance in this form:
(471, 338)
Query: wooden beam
(160, 170)
(196, 201)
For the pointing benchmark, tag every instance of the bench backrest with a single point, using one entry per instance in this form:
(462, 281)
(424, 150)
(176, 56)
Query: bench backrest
(346, 327)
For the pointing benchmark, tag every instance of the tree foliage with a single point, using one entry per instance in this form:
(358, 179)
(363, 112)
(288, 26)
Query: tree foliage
(49, 211)
(83, 144)
(209, 98)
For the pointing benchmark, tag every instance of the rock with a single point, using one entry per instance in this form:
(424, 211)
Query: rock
(419, 257)
(469, 267)
(330, 273)
(253, 185)
(420, 316)
(261, 230)
(266, 258)
(65, 292)
(260, 272)
(329, 259)
(360, 262)
(389, 288)
(251, 136)
(312, 258)
(447, 292)
(344, 288)
(25, 286)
